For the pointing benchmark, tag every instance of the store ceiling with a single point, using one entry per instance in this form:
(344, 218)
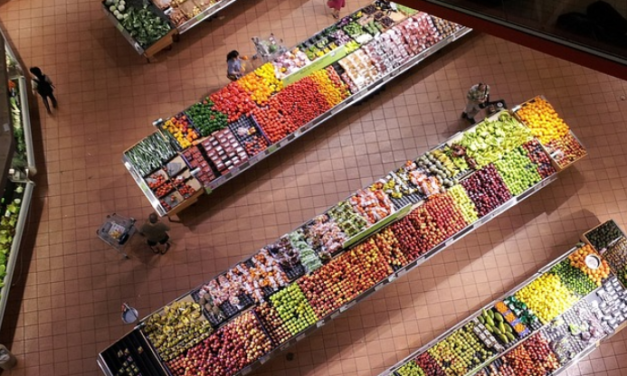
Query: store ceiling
(533, 24)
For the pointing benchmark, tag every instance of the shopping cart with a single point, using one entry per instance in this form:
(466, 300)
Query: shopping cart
(268, 49)
(117, 231)
(494, 106)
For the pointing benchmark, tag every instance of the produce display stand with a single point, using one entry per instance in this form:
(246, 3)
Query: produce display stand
(16, 197)
(294, 76)
(238, 301)
(20, 115)
(195, 12)
(604, 309)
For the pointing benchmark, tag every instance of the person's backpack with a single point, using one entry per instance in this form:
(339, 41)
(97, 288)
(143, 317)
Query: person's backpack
(43, 87)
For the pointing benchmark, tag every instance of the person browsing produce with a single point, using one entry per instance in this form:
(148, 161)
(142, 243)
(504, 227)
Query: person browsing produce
(234, 66)
(477, 97)
(156, 234)
(43, 86)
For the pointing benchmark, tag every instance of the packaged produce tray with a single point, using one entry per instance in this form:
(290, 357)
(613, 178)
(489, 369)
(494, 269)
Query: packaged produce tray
(132, 355)
(249, 135)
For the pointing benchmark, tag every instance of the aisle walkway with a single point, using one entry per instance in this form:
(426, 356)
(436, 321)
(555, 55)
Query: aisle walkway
(108, 97)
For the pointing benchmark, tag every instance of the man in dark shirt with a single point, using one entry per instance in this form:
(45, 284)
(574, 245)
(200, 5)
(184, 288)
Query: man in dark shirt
(156, 234)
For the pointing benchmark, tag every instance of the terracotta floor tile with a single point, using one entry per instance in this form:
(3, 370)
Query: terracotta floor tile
(108, 96)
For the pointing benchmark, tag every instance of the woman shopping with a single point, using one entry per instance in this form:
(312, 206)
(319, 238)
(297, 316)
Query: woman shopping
(234, 70)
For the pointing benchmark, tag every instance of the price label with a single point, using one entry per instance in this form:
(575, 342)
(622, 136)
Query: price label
(263, 359)
(333, 316)
(199, 17)
(320, 324)
(401, 273)
(208, 190)
(271, 149)
(119, 26)
(291, 137)
(300, 337)
(378, 287)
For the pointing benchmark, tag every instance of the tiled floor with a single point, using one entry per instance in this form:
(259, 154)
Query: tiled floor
(65, 305)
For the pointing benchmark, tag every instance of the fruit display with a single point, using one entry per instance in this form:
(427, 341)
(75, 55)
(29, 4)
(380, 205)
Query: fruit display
(436, 221)
(574, 278)
(272, 322)
(233, 101)
(490, 140)
(602, 236)
(350, 222)
(500, 328)
(463, 203)
(616, 256)
(205, 118)
(566, 150)
(398, 192)
(547, 296)
(582, 260)
(431, 367)
(460, 352)
(224, 151)
(411, 368)
(343, 278)
(324, 235)
(536, 153)
(486, 189)
(260, 84)
(408, 238)
(274, 121)
(199, 165)
(301, 102)
(293, 308)
(545, 123)
(534, 357)
(231, 348)
(141, 22)
(390, 249)
(150, 153)
(180, 326)
(212, 312)
(330, 86)
(249, 135)
(519, 173)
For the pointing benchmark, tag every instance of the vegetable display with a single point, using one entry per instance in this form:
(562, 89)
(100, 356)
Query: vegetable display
(205, 119)
(150, 154)
(10, 205)
(143, 25)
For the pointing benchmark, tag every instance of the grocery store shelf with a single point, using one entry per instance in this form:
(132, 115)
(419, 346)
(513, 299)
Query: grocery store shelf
(392, 370)
(15, 247)
(204, 15)
(348, 102)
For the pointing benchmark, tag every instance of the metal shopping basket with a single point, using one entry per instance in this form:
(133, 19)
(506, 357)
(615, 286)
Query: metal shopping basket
(117, 231)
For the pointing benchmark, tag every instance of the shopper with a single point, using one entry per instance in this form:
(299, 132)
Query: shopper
(43, 86)
(156, 234)
(234, 69)
(335, 6)
(477, 97)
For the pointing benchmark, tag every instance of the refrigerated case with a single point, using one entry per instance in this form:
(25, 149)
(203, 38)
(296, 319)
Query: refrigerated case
(17, 188)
